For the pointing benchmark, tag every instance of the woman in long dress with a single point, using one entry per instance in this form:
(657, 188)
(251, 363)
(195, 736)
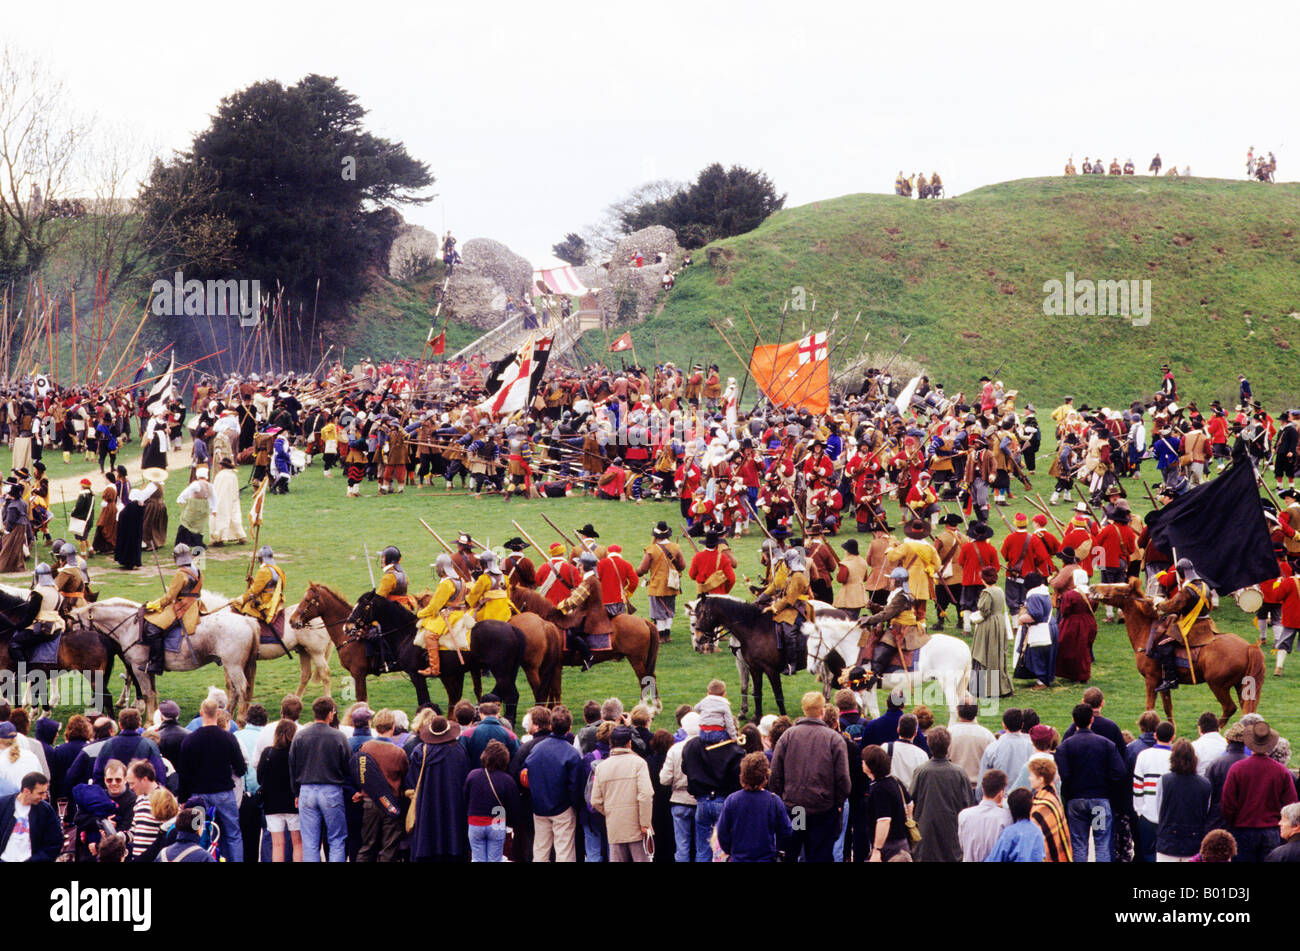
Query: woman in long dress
(130, 528)
(989, 640)
(1078, 628)
(106, 527)
(153, 531)
(18, 531)
(227, 519)
(1036, 644)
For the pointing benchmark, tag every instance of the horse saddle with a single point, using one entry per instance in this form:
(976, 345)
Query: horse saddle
(271, 633)
(600, 642)
(903, 660)
(45, 652)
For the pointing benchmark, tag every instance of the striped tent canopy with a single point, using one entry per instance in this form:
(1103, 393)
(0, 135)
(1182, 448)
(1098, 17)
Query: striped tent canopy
(558, 280)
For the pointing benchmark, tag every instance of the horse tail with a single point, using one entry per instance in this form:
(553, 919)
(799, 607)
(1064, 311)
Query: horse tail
(1253, 682)
(652, 651)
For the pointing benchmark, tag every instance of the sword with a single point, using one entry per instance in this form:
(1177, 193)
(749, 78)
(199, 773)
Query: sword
(369, 567)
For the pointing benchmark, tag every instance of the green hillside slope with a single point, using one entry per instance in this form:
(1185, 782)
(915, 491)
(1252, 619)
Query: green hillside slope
(965, 277)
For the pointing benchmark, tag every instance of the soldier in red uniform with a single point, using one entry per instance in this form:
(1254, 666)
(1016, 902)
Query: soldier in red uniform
(1023, 554)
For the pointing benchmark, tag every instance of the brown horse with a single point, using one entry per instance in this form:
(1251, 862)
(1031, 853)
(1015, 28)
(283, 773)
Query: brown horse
(634, 638)
(1226, 663)
(81, 650)
(322, 601)
(539, 655)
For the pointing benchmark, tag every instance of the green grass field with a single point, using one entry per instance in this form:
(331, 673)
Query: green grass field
(318, 535)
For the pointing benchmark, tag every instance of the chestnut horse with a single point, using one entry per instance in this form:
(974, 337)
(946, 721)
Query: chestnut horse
(634, 638)
(1228, 662)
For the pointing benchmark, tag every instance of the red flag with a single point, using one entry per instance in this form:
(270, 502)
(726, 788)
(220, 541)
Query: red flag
(439, 343)
(794, 374)
(622, 343)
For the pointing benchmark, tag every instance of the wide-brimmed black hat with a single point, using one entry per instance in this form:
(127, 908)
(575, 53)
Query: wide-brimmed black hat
(980, 531)
(661, 530)
(917, 528)
(850, 546)
(588, 531)
(515, 544)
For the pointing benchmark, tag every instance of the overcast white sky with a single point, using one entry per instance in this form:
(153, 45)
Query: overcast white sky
(534, 116)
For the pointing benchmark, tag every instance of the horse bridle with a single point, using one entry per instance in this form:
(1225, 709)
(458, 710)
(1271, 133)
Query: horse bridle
(89, 624)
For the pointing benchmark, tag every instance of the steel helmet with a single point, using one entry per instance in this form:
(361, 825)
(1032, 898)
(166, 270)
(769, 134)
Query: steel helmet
(444, 565)
(68, 550)
(181, 553)
(266, 554)
(391, 555)
(43, 575)
(1187, 570)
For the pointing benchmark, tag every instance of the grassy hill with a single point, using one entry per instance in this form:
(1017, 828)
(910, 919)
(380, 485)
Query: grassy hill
(964, 276)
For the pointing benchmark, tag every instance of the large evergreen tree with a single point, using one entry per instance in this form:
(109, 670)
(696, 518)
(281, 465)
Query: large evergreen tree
(301, 194)
(720, 203)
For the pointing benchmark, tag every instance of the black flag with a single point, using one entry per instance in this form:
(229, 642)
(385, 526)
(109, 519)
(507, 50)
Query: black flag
(541, 355)
(1220, 527)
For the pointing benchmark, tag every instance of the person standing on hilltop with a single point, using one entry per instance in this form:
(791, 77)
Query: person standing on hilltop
(1154, 167)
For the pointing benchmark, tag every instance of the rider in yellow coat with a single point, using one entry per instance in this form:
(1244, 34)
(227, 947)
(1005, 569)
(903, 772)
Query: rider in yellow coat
(440, 615)
(490, 595)
(264, 598)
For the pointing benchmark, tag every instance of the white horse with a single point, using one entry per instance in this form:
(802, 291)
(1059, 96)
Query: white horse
(225, 638)
(833, 643)
(311, 643)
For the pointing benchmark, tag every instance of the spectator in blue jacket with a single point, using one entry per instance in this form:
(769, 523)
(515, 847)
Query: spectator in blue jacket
(30, 830)
(130, 743)
(1091, 771)
(754, 825)
(551, 772)
(1022, 840)
(489, 728)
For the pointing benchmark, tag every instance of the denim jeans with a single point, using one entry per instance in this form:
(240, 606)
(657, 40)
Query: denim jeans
(487, 843)
(232, 839)
(319, 804)
(683, 832)
(1146, 840)
(1089, 816)
(838, 849)
(707, 810)
(593, 838)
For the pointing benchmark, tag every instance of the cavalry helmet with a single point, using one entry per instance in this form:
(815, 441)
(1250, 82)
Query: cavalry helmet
(266, 554)
(181, 554)
(391, 555)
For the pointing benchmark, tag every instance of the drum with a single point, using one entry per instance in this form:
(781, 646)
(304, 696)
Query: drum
(1249, 599)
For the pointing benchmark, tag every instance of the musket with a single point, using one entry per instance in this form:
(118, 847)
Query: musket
(1083, 497)
(447, 548)
(686, 534)
(519, 528)
(1149, 495)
